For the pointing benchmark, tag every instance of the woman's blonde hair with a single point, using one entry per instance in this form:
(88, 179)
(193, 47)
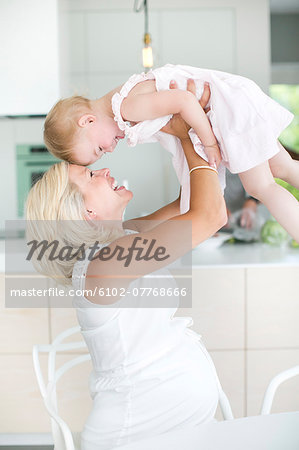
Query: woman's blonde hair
(55, 211)
(61, 127)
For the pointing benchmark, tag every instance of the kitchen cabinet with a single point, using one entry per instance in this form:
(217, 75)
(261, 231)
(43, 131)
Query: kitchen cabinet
(247, 317)
(29, 60)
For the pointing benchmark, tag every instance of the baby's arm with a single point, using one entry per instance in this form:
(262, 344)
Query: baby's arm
(148, 106)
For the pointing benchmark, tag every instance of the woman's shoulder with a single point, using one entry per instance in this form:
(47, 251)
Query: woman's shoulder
(79, 275)
(81, 266)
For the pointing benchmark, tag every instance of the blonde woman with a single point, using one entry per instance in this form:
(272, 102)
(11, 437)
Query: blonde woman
(151, 374)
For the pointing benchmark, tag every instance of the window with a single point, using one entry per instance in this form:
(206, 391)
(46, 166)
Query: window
(288, 96)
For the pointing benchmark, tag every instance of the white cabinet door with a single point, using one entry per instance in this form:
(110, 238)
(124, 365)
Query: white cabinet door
(29, 69)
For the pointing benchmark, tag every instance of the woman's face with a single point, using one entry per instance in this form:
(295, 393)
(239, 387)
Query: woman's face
(102, 196)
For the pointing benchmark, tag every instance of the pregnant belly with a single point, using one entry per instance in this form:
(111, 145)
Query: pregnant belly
(178, 390)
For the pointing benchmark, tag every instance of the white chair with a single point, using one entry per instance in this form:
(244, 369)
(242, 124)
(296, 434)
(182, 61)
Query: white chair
(65, 440)
(272, 388)
(62, 435)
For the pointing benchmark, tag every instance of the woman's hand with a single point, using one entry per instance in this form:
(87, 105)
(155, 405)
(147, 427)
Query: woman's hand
(177, 126)
(248, 213)
(205, 98)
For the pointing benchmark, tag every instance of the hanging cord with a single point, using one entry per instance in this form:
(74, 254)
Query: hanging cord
(140, 5)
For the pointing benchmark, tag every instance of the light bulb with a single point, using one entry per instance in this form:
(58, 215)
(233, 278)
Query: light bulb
(147, 57)
(147, 52)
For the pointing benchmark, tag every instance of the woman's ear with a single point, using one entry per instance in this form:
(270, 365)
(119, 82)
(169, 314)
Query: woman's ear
(86, 119)
(90, 216)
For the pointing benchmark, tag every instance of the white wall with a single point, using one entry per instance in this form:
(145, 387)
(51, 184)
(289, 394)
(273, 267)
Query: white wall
(100, 46)
(29, 58)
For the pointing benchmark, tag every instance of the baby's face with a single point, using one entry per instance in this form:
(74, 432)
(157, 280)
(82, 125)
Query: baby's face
(96, 139)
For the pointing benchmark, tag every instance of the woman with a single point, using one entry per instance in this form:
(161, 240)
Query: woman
(150, 373)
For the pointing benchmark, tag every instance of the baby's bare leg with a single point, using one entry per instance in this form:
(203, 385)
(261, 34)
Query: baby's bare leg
(284, 167)
(259, 183)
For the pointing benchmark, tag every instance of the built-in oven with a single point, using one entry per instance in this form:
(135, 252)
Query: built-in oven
(32, 162)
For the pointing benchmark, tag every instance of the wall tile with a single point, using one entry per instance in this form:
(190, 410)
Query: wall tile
(62, 314)
(99, 84)
(115, 40)
(273, 307)
(121, 52)
(218, 307)
(8, 172)
(77, 85)
(230, 370)
(61, 319)
(22, 409)
(141, 166)
(262, 366)
(18, 387)
(73, 395)
(77, 42)
(28, 131)
(198, 38)
(20, 329)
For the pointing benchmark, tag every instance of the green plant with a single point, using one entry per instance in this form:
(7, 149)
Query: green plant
(288, 96)
(289, 187)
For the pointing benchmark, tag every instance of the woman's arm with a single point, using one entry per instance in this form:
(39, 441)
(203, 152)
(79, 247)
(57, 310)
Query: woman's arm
(207, 209)
(139, 107)
(172, 238)
(146, 222)
(168, 241)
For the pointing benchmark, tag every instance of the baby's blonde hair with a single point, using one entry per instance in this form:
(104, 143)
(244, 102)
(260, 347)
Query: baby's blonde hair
(61, 127)
(55, 211)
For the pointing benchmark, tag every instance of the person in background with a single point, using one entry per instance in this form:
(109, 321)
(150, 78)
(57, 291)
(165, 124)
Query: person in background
(237, 199)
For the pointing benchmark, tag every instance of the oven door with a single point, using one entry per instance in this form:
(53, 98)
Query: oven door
(28, 173)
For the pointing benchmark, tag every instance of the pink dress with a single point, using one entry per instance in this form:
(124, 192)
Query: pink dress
(245, 121)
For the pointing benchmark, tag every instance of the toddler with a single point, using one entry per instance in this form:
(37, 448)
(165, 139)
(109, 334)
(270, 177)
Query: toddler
(239, 132)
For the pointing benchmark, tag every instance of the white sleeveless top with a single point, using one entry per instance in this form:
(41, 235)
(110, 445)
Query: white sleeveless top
(121, 339)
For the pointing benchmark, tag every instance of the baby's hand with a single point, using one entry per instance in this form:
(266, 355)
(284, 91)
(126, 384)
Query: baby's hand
(213, 154)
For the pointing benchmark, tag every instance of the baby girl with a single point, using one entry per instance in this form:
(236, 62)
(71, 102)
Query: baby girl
(239, 132)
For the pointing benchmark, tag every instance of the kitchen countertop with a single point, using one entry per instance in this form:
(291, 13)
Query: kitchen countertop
(245, 255)
(229, 256)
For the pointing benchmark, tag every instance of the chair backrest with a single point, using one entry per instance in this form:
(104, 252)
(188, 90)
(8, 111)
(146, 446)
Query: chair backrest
(62, 436)
(274, 384)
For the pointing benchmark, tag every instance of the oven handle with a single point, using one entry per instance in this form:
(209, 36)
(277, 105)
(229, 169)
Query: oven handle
(39, 163)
